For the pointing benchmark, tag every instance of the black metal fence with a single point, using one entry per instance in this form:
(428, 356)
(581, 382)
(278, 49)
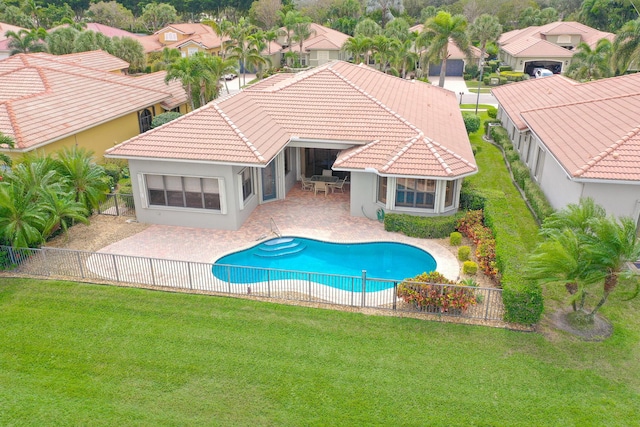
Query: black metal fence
(355, 291)
(118, 204)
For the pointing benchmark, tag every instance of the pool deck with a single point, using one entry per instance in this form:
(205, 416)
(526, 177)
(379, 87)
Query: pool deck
(301, 214)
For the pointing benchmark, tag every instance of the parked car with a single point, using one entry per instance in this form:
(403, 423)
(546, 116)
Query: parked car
(539, 73)
(229, 76)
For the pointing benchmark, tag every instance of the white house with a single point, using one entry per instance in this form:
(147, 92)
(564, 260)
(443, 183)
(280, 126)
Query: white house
(578, 139)
(402, 143)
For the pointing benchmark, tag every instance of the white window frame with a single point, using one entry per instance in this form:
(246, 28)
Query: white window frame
(240, 177)
(170, 36)
(144, 194)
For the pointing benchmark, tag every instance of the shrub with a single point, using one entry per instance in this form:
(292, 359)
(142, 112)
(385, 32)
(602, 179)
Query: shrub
(520, 173)
(470, 268)
(523, 302)
(472, 226)
(469, 281)
(124, 186)
(113, 172)
(434, 297)
(499, 135)
(504, 68)
(492, 112)
(471, 122)
(455, 238)
(463, 253)
(163, 118)
(513, 76)
(471, 69)
(423, 227)
(511, 154)
(470, 198)
(537, 200)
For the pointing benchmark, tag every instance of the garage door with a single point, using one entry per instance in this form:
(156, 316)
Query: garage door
(455, 67)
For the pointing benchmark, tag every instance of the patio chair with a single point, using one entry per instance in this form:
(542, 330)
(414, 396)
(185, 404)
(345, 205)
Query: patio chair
(337, 185)
(327, 172)
(307, 185)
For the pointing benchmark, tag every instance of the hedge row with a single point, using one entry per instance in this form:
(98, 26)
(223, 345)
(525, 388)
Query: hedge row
(523, 301)
(521, 175)
(514, 76)
(431, 227)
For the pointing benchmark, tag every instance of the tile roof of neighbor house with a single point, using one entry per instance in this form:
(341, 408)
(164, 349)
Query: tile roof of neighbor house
(587, 34)
(4, 41)
(397, 126)
(533, 47)
(44, 98)
(96, 59)
(200, 34)
(109, 31)
(321, 38)
(591, 128)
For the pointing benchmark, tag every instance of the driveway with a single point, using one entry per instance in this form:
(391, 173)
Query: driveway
(458, 86)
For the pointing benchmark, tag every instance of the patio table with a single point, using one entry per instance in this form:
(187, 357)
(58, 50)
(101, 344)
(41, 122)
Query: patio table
(320, 183)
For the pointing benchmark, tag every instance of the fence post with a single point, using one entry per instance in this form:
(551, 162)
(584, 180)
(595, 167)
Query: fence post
(269, 283)
(309, 280)
(353, 292)
(46, 261)
(80, 264)
(229, 277)
(189, 272)
(487, 300)
(115, 267)
(115, 197)
(153, 275)
(364, 288)
(395, 295)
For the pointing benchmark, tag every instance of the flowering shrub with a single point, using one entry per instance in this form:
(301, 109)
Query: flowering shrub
(433, 293)
(472, 226)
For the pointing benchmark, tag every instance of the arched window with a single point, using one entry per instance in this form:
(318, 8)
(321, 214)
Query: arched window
(144, 119)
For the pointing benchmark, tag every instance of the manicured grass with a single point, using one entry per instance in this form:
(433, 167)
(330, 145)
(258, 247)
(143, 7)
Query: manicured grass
(473, 106)
(79, 354)
(515, 221)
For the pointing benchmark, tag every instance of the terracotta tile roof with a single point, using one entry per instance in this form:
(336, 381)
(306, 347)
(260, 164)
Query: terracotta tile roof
(109, 31)
(592, 128)
(201, 34)
(156, 81)
(533, 46)
(4, 41)
(321, 38)
(522, 42)
(454, 51)
(398, 127)
(44, 98)
(97, 59)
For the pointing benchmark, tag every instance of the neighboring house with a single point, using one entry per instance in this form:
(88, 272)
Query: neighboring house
(109, 31)
(457, 60)
(402, 143)
(48, 101)
(578, 139)
(323, 45)
(187, 38)
(5, 51)
(549, 46)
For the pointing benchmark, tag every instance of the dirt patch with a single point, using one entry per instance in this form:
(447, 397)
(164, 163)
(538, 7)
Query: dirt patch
(599, 331)
(101, 231)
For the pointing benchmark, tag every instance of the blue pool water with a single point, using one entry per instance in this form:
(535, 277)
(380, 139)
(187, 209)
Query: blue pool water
(381, 260)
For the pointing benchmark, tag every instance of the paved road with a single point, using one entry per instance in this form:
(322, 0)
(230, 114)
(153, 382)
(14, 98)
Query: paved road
(458, 85)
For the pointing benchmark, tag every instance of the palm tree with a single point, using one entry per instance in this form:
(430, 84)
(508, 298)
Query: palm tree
(289, 20)
(358, 47)
(242, 46)
(83, 178)
(626, 46)
(591, 64)
(21, 220)
(5, 160)
(484, 29)
(61, 41)
(167, 56)
(25, 41)
(301, 32)
(223, 29)
(270, 36)
(615, 244)
(61, 209)
(439, 30)
(367, 28)
(403, 58)
(382, 50)
(183, 70)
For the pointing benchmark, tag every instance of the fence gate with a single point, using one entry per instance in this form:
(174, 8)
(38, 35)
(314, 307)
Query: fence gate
(118, 204)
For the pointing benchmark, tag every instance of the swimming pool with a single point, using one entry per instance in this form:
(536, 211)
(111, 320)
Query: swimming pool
(381, 260)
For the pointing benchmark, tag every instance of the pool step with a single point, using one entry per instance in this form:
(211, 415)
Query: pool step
(278, 241)
(278, 253)
(273, 248)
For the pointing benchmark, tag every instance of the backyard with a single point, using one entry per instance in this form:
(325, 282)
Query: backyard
(84, 354)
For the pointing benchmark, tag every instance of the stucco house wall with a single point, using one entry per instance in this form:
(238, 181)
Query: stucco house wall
(230, 217)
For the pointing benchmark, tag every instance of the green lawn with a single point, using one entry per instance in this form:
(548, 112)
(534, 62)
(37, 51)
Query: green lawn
(79, 354)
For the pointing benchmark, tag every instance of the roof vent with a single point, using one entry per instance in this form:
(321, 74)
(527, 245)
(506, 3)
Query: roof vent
(615, 155)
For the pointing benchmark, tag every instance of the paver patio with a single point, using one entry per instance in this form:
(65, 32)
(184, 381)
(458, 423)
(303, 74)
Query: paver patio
(301, 214)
